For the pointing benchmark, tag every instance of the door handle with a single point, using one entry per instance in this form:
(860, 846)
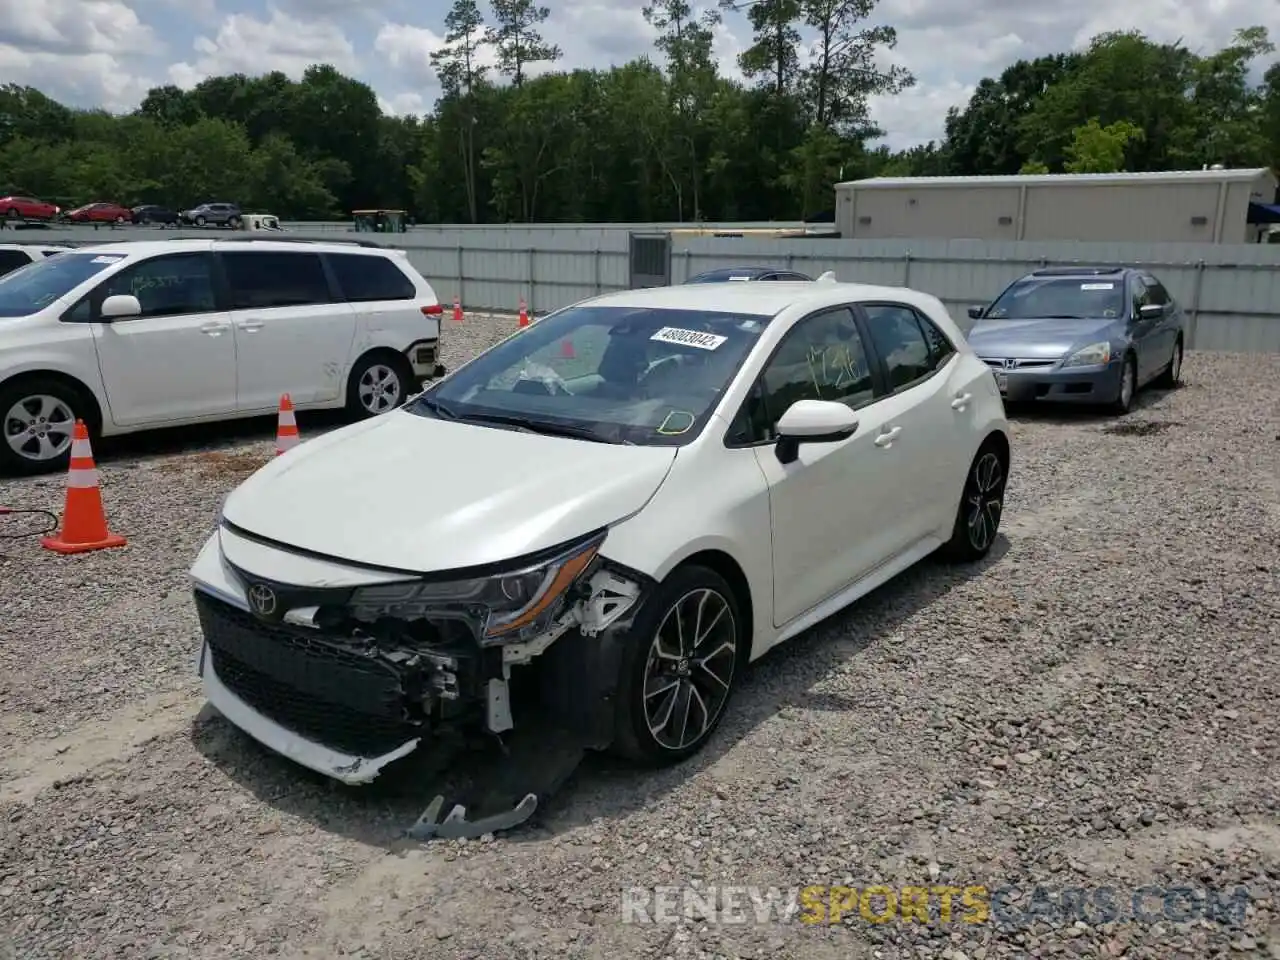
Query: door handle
(213, 329)
(250, 326)
(887, 437)
(961, 401)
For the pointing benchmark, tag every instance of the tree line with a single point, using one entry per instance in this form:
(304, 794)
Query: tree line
(664, 137)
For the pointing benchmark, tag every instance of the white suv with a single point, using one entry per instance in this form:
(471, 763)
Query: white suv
(135, 335)
(15, 255)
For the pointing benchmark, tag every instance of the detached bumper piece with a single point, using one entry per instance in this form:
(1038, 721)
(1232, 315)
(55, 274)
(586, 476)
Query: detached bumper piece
(534, 763)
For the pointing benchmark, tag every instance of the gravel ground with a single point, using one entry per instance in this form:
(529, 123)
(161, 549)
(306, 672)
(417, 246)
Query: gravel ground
(1094, 708)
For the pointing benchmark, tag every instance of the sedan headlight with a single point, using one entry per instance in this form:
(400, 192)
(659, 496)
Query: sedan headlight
(1091, 356)
(505, 607)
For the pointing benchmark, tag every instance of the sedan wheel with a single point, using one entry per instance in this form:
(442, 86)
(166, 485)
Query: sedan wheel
(1128, 387)
(689, 670)
(37, 431)
(680, 669)
(1172, 373)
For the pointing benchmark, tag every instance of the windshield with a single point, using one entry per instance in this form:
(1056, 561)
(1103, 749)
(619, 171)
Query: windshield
(1067, 298)
(634, 375)
(31, 288)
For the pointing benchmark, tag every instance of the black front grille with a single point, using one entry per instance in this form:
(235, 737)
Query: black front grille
(318, 688)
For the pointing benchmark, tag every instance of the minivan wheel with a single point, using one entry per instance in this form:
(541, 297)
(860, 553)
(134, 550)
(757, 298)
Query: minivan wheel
(981, 507)
(37, 419)
(679, 668)
(379, 383)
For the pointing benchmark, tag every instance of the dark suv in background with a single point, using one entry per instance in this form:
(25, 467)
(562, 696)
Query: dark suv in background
(217, 214)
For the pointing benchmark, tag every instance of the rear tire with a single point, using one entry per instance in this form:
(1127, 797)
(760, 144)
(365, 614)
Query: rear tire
(981, 506)
(1172, 373)
(671, 698)
(379, 383)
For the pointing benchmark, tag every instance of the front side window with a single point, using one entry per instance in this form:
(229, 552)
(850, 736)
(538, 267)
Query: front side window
(168, 286)
(821, 358)
(31, 288)
(636, 375)
(1060, 298)
(258, 281)
(1156, 291)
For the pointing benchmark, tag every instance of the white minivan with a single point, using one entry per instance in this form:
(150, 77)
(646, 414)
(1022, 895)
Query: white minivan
(137, 335)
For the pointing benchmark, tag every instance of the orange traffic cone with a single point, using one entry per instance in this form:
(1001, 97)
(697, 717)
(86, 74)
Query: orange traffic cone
(566, 350)
(84, 524)
(524, 314)
(286, 426)
(457, 310)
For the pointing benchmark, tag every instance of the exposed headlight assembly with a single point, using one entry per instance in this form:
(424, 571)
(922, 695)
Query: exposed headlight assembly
(1093, 355)
(505, 607)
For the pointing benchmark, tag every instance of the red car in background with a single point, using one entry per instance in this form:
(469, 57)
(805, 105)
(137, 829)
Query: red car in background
(27, 208)
(100, 213)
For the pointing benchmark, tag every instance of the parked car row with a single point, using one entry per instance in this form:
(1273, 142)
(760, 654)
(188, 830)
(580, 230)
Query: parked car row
(213, 213)
(1083, 335)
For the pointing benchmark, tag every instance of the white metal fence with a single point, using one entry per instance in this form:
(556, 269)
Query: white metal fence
(1231, 292)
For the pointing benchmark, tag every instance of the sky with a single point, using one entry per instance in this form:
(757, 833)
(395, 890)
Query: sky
(108, 53)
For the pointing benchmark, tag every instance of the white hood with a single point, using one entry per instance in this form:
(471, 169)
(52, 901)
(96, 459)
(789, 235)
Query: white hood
(421, 494)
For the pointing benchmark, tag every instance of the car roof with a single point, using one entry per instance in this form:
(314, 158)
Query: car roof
(148, 248)
(1076, 271)
(765, 299)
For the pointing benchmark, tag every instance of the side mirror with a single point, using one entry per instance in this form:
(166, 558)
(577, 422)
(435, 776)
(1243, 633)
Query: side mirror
(975, 313)
(813, 421)
(1150, 311)
(120, 305)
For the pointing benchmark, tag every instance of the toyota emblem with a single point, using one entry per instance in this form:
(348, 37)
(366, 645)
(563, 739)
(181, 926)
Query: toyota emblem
(262, 599)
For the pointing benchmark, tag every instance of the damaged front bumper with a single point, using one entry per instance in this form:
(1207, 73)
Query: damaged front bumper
(345, 767)
(347, 706)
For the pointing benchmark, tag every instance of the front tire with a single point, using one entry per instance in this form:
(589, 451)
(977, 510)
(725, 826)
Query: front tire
(679, 668)
(37, 418)
(1128, 388)
(981, 507)
(1172, 373)
(200, 221)
(379, 384)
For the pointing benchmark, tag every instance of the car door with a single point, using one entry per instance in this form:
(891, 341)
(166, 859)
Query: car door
(931, 416)
(1165, 332)
(826, 507)
(1143, 330)
(293, 332)
(177, 360)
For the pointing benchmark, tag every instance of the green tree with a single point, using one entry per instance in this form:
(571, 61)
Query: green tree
(1098, 149)
(458, 65)
(516, 39)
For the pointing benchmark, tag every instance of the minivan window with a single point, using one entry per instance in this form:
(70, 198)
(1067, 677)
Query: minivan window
(364, 278)
(11, 260)
(275, 279)
(31, 288)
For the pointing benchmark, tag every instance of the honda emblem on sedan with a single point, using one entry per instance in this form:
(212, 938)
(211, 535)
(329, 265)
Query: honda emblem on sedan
(1010, 364)
(262, 599)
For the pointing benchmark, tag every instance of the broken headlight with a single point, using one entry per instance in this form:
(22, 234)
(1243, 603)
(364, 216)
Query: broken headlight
(504, 607)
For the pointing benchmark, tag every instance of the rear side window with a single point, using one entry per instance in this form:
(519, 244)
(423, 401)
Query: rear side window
(900, 342)
(11, 260)
(257, 281)
(363, 278)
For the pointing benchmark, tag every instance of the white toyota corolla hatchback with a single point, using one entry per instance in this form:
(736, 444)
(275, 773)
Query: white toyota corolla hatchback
(598, 522)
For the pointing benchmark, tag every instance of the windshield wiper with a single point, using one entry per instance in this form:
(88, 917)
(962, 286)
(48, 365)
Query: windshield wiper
(436, 407)
(1061, 316)
(538, 426)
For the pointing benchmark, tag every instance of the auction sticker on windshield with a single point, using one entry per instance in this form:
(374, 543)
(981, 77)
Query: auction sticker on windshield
(689, 338)
(1097, 286)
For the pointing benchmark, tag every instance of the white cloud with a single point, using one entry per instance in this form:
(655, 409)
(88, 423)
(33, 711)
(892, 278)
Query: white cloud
(245, 44)
(81, 52)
